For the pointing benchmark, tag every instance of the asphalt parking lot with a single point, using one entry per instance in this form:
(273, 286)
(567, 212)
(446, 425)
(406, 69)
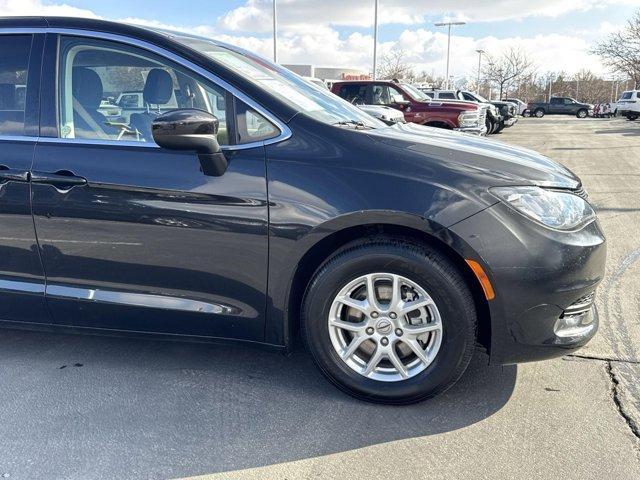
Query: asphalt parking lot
(80, 407)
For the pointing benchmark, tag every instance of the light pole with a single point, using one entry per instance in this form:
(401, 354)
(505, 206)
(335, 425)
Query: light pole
(480, 52)
(375, 39)
(275, 32)
(449, 25)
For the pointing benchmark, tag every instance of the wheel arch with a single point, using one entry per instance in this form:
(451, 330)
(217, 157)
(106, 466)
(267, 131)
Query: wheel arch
(441, 240)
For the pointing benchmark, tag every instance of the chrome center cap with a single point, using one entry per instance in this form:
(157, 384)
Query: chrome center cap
(384, 326)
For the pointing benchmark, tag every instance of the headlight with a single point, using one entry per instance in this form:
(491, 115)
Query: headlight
(468, 119)
(560, 210)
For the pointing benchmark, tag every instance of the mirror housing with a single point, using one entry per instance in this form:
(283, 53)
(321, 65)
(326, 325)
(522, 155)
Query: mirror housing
(195, 130)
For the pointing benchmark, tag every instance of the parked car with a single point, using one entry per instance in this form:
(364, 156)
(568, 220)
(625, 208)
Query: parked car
(629, 104)
(317, 81)
(521, 106)
(417, 107)
(561, 106)
(493, 118)
(261, 206)
(508, 111)
(603, 110)
(388, 115)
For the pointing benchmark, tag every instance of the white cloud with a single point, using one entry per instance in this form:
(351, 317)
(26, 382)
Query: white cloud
(309, 35)
(36, 7)
(256, 15)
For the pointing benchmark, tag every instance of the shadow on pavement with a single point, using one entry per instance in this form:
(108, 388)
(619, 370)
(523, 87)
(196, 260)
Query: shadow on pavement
(97, 407)
(621, 131)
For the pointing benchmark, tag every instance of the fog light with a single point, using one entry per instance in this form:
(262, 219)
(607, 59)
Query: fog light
(574, 325)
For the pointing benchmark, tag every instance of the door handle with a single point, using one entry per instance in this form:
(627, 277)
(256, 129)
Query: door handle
(10, 175)
(62, 180)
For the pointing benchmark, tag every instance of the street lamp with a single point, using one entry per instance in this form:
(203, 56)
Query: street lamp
(449, 25)
(480, 52)
(375, 38)
(275, 32)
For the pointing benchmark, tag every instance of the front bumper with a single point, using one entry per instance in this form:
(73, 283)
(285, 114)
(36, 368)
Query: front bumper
(510, 122)
(476, 130)
(538, 276)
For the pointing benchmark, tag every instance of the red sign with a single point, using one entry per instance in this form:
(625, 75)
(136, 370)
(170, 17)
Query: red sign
(349, 76)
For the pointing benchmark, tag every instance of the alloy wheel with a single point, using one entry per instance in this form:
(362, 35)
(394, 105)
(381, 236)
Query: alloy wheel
(385, 327)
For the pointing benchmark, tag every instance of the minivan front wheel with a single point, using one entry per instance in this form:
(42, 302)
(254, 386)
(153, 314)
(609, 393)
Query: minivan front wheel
(389, 322)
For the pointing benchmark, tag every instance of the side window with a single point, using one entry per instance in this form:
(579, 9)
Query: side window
(251, 126)
(14, 61)
(396, 95)
(429, 94)
(112, 91)
(556, 101)
(568, 101)
(381, 95)
(448, 96)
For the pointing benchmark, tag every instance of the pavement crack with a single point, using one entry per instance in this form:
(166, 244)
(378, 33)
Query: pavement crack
(633, 426)
(602, 359)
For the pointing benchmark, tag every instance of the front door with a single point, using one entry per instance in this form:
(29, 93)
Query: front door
(22, 281)
(135, 237)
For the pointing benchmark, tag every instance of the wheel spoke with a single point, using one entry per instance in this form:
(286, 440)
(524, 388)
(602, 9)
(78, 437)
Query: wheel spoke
(420, 329)
(350, 326)
(408, 307)
(371, 293)
(393, 358)
(373, 362)
(396, 292)
(360, 305)
(418, 350)
(353, 346)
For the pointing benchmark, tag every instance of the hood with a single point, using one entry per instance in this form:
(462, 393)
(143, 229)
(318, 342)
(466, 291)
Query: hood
(497, 162)
(449, 104)
(381, 109)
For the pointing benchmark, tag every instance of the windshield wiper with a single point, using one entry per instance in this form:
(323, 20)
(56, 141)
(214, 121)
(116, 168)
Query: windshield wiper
(353, 123)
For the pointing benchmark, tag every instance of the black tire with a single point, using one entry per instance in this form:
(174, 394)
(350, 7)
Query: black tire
(490, 124)
(539, 113)
(582, 113)
(631, 117)
(499, 128)
(422, 265)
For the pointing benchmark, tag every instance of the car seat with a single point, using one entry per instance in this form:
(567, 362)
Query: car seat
(158, 90)
(87, 93)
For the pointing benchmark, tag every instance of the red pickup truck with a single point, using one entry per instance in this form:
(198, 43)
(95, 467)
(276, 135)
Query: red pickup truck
(416, 106)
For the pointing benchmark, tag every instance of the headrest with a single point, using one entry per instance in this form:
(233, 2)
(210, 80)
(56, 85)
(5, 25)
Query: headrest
(158, 88)
(87, 87)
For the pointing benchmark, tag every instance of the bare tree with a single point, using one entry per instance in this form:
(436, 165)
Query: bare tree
(620, 51)
(394, 65)
(508, 69)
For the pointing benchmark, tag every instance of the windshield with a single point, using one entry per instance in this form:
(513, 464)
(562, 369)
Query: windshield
(479, 98)
(626, 96)
(303, 96)
(415, 93)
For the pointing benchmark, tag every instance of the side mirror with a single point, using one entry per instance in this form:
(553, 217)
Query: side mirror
(192, 129)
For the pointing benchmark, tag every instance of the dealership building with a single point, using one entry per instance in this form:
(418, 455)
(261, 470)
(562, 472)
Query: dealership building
(329, 73)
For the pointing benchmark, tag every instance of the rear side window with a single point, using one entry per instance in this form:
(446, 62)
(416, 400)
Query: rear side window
(626, 96)
(14, 62)
(447, 96)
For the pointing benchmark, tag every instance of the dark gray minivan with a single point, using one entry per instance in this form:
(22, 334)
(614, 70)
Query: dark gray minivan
(243, 203)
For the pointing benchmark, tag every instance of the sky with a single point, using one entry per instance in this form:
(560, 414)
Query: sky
(557, 34)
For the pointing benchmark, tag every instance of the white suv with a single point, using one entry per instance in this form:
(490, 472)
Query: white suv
(629, 104)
